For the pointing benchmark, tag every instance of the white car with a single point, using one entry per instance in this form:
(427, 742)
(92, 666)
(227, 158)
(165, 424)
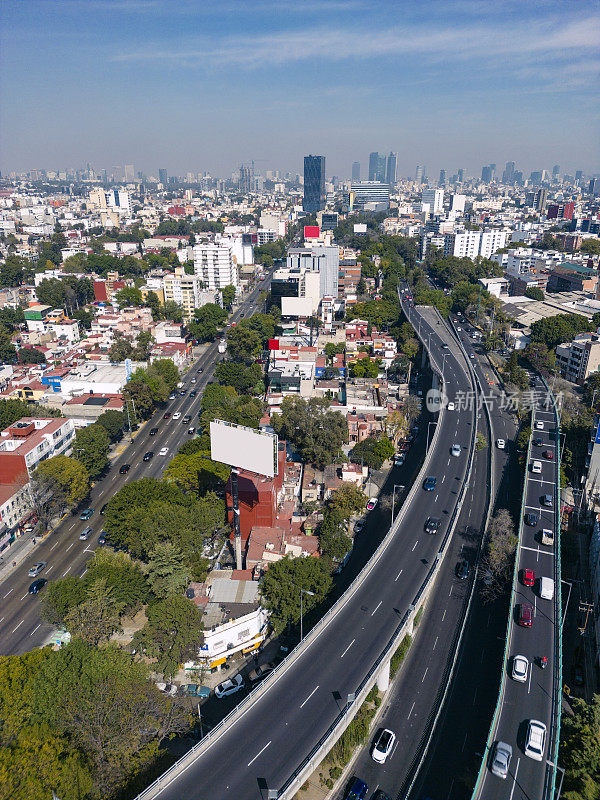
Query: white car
(455, 450)
(177, 415)
(500, 444)
(399, 460)
(383, 746)
(163, 451)
(536, 740)
(371, 504)
(193, 380)
(536, 467)
(230, 686)
(520, 669)
(450, 406)
(539, 426)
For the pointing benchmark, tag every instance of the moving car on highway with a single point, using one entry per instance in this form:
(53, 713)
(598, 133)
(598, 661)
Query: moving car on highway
(85, 515)
(430, 483)
(501, 760)
(36, 569)
(383, 746)
(520, 669)
(535, 743)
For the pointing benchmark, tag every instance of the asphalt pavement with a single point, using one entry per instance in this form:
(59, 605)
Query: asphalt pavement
(21, 627)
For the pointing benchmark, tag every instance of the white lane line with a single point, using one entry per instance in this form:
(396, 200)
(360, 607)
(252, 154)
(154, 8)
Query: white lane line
(19, 625)
(465, 741)
(69, 547)
(64, 573)
(414, 545)
(48, 570)
(434, 644)
(448, 462)
(449, 593)
(529, 681)
(398, 575)
(53, 546)
(259, 753)
(348, 648)
(24, 596)
(35, 629)
(537, 550)
(411, 710)
(376, 607)
(309, 696)
(443, 478)
(425, 673)
(512, 791)
(444, 615)
(9, 591)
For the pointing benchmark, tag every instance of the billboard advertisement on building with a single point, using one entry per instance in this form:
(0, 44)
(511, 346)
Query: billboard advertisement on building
(311, 231)
(245, 448)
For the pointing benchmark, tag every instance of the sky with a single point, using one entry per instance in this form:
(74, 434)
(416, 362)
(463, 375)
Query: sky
(205, 85)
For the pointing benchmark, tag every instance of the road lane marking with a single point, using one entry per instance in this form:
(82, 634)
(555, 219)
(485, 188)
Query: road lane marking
(398, 575)
(35, 629)
(537, 550)
(443, 478)
(414, 545)
(69, 547)
(450, 592)
(19, 625)
(259, 753)
(444, 615)
(465, 741)
(530, 674)
(48, 570)
(512, 791)
(348, 648)
(411, 710)
(378, 604)
(24, 596)
(9, 591)
(309, 696)
(425, 673)
(434, 644)
(64, 573)
(53, 546)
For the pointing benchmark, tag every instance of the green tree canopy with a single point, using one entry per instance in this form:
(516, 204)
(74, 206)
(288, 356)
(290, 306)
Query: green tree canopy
(113, 423)
(317, 432)
(90, 447)
(280, 588)
(172, 635)
(372, 451)
(69, 474)
(560, 328)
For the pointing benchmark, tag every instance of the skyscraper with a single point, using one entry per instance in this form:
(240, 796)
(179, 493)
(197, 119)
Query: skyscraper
(442, 178)
(390, 170)
(578, 175)
(493, 170)
(246, 182)
(419, 174)
(314, 184)
(129, 173)
(556, 171)
(376, 167)
(486, 174)
(509, 172)
(162, 176)
(461, 175)
(355, 171)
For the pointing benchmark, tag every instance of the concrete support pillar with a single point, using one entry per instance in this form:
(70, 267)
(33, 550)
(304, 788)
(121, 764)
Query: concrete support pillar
(383, 677)
(410, 628)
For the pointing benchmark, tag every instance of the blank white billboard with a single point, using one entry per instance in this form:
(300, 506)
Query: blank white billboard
(246, 448)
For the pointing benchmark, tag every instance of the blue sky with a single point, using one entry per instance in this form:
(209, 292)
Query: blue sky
(204, 85)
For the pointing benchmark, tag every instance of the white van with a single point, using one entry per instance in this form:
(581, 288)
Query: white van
(536, 467)
(547, 536)
(546, 588)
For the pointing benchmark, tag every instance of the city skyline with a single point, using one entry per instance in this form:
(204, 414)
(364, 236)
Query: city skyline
(502, 82)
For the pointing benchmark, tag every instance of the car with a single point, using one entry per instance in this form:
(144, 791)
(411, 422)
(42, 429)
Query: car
(501, 759)
(173, 396)
(85, 515)
(163, 451)
(177, 415)
(432, 525)
(459, 329)
(528, 577)
(167, 688)
(399, 460)
(261, 672)
(430, 483)
(183, 392)
(444, 346)
(577, 675)
(153, 431)
(166, 415)
(187, 419)
(193, 394)
(530, 519)
(85, 534)
(462, 569)
(546, 500)
(200, 371)
(539, 426)
(383, 746)
(455, 450)
(104, 507)
(191, 431)
(359, 525)
(194, 690)
(450, 407)
(535, 743)
(194, 380)
(548, 454)
(471, 355)
(36, 569)
(357, 790)
(525, 615)
(148, 455)
(124, 469)
(372, 503)
(37, 586)
(520, 669)
(102, 538)
(536, 467)
(230, 686)
(500, 444)
(537, 442)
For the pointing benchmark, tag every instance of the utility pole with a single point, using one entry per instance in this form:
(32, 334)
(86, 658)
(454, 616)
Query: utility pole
(587, 609)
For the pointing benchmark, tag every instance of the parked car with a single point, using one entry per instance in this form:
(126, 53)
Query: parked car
(85, 515)
(528, 577)
(383, 746)
(535, 743)
(462, 569)
(520, 669)
(501, 760)
(261, 672)
(399, 460)
(500, 444)
(194, 690)
(149, 455)
(359, 525)
(432, 525)
(525, 615)
(546, 500)
(36, 569)
(103, 509)
(230, 686)
(430, 483)
(37, 586)
(530, 519)
(163, 451)
(153, 431)
(371, 504)
(167, 688)
(548, 454)
(357, 790)
(536, 467)
(124, 468)
(85, 534)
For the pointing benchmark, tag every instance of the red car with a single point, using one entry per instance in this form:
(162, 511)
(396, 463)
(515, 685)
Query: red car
(525, 617)
(528, 577)
(166, 416)
(548, 454)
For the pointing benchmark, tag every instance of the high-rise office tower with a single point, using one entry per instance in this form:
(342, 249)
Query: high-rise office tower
(578, 175)
(509, 172)
(493, 170)
(376, 167)
(162, 176)
(486, 174)
(129, 173)
(461, 175)
(419, 174)
(390, 169)
(246, 182)
(594, 186)
(556, 171)
(355, 171)
(314, 184)
(442, 178)
(539, 200)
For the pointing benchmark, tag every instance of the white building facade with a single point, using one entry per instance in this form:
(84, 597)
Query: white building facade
(214, 265)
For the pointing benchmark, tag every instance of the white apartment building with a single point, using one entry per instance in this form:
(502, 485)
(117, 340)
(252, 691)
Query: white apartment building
(214, 265)
(30, 440)
(187, 291)
(471, 244)
(434, 199)
(113, 199)
(578, 359)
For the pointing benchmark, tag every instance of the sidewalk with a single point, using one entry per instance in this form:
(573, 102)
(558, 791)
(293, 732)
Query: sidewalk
(21, 549)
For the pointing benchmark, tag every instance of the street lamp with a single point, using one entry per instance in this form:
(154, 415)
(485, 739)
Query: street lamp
(312, 594)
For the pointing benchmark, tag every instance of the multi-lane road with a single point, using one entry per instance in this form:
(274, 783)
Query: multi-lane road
(21, 627)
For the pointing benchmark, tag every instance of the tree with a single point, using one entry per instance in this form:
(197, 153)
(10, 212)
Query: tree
(372, 451)
(172, 311)
(317, 432)
(29, 355)
(167, 572)
(129, 296)
(122, 576)
(228, 294)
(333, 534)
(540, 357)
(580, 750)
(480, 441)
(120, 349)
(535, 293)
(197, 472)
(69, 475)
(559, 328)
(172, 635)
(590, 246)
(60, 597)
(365, 368)
(96, 618)
(48, 499)
(280, 588)
(113, 423)
(206, 321)
(90, 447)
(497, 560)
(166, 369)
(242, 378)
(243, 344)
(361, 287)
